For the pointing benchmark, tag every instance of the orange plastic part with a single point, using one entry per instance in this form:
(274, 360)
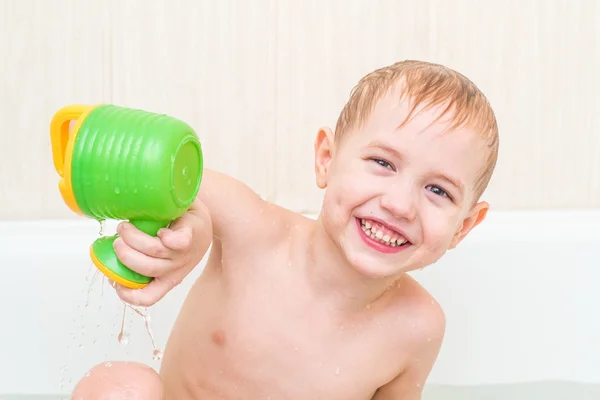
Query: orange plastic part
(62, 140)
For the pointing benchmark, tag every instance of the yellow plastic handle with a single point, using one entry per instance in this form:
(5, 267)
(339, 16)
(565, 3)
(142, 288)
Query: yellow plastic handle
(59, 132)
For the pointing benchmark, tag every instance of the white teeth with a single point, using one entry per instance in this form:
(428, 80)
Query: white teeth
(372, 232)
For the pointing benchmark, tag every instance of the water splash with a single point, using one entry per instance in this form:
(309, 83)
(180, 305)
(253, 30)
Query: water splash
(157, 354)
(123, 336)
(94, 277)
(102, 227)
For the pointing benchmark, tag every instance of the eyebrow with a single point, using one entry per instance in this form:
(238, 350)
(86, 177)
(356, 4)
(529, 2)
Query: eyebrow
(454, 182)
(389, 149)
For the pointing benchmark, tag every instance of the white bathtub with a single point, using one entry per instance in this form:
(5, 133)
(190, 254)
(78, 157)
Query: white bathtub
(520, 296)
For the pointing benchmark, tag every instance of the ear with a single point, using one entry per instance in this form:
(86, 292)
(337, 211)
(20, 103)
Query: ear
(323, 154)
(476, 216)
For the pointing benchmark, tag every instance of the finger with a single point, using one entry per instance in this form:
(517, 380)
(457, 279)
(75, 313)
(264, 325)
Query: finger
(142, 242)
(146, 296)
(176, 238)
(140, 262)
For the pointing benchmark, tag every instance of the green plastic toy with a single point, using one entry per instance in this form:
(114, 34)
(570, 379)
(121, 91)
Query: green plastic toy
(125, 164)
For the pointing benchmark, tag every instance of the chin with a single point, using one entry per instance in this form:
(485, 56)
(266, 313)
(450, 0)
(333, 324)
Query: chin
(373, 269)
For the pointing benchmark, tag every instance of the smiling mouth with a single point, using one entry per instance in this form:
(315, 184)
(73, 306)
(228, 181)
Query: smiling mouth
(385, 238)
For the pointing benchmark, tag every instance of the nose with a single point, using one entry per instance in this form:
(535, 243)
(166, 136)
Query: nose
(400, 201)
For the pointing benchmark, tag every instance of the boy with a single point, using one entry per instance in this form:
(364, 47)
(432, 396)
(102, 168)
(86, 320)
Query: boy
(294, 308)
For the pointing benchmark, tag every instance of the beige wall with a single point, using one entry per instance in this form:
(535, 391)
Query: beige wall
(257, 78)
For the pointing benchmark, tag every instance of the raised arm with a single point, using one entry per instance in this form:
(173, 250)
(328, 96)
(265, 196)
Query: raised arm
(225, 208)
(236, 211)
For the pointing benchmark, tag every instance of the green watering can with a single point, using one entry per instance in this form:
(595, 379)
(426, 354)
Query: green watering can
(125, 164)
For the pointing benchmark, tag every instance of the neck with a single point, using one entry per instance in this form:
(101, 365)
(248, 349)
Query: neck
(334, 279)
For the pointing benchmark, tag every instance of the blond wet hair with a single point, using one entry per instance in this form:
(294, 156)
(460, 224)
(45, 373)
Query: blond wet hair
(427, 85)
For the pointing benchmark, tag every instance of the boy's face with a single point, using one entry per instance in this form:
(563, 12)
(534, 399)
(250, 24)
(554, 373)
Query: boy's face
(398, 198)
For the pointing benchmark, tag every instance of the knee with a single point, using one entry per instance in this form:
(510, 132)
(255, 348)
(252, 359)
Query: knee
(123, 380)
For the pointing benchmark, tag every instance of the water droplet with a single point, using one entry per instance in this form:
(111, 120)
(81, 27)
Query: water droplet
(189, 182)
(117, 190)
(135, 190)
(289, 264)
(184, 171)
(157, 355)
(107, 364)
(102, 227)
(106, 178)
(124, 338)
(337, 370)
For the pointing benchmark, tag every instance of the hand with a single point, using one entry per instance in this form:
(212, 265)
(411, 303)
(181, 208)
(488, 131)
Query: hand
(168, 258)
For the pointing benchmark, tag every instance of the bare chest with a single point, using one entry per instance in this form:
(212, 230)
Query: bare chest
(264, 337)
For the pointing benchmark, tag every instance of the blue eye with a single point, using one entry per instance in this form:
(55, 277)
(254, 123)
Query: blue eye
(438, 190)
(383, 163)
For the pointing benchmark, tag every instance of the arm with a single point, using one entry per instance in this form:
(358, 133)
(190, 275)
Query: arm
(408, 385)
(236, 211)
(225, 208)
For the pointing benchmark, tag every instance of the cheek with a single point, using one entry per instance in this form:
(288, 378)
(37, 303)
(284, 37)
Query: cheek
(333, 210)
(438, 230)
(340, 200)
(347, 191)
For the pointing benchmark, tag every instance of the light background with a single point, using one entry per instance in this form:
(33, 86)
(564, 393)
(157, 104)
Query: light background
(257, 79)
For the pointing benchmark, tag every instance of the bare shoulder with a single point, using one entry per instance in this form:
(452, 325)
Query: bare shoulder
(239, 215)
(422, 308)
(419, 349)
